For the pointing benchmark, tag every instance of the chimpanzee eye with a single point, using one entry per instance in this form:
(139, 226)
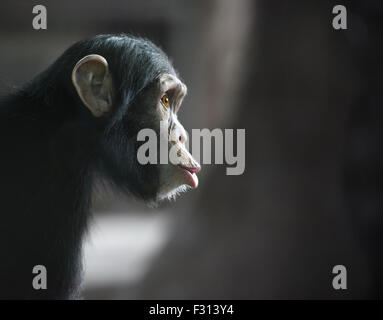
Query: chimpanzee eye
(165, 100)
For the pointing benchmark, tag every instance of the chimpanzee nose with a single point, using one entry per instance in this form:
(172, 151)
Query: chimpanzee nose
(182, 137)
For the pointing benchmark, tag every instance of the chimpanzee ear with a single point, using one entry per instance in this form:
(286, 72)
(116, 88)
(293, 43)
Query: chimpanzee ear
(93, 83)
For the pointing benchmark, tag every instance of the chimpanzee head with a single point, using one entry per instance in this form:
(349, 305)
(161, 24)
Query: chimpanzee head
(127, 85)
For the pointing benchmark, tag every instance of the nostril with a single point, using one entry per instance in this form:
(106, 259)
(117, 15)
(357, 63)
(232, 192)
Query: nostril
(181, 138)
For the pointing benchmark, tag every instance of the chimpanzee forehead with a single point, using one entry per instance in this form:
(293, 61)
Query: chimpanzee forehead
(168, 82)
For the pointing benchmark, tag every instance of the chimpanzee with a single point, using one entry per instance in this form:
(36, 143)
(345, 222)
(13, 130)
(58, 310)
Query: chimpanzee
(75, 124)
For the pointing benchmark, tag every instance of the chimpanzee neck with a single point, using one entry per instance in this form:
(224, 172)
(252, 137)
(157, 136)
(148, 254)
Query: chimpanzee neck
(46, 185)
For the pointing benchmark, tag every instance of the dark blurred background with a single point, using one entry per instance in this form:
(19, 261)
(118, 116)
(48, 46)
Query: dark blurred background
(310, 98)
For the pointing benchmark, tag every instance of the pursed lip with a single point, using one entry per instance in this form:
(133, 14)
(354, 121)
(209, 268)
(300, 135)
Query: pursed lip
(190, 174)
(192, 170)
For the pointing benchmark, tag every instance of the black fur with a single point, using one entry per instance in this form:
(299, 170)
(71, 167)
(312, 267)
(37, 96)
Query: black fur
(52, 150)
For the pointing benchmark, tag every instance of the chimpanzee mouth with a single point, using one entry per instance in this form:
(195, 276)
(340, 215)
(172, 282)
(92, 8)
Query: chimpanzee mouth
(190, 175)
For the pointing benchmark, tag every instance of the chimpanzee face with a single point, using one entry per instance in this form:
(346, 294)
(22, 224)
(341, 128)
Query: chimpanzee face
(166, 171)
